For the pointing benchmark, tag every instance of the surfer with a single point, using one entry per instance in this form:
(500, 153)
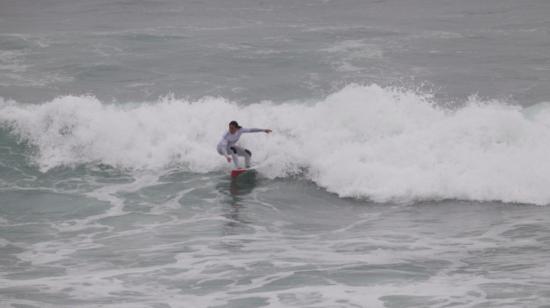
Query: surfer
(228, 145)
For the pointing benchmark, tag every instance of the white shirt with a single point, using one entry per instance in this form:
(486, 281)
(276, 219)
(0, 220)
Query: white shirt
(229, 139)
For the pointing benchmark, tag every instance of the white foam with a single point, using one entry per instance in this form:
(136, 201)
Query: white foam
(362, 141)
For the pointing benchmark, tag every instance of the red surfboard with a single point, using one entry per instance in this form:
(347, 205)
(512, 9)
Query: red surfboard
(236, 172)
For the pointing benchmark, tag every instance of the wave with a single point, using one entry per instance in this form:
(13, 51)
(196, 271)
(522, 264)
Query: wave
(383, 144)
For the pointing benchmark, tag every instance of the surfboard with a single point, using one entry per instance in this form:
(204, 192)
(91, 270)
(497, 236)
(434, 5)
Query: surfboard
(239, 171)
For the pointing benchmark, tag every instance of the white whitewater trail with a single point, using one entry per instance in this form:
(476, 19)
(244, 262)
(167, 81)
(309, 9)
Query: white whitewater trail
(384, 144)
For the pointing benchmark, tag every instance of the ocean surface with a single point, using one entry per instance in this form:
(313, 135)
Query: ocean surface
(409, 164)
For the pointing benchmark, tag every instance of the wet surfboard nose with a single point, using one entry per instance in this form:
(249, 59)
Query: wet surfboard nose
(236, 172)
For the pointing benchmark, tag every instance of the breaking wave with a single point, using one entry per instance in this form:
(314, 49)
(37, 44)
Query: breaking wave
(383, 144)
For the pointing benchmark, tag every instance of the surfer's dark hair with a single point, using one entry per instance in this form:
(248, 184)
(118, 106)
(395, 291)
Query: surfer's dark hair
(234, 123)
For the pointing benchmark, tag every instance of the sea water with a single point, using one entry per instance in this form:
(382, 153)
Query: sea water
(408, 164)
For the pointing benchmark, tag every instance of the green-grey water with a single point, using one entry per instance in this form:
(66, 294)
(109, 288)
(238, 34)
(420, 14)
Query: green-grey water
(407, 165)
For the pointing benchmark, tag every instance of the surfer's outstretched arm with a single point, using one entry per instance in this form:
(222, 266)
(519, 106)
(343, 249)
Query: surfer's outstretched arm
(256, 130)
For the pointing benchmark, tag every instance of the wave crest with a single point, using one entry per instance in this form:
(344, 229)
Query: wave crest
(384, 144)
